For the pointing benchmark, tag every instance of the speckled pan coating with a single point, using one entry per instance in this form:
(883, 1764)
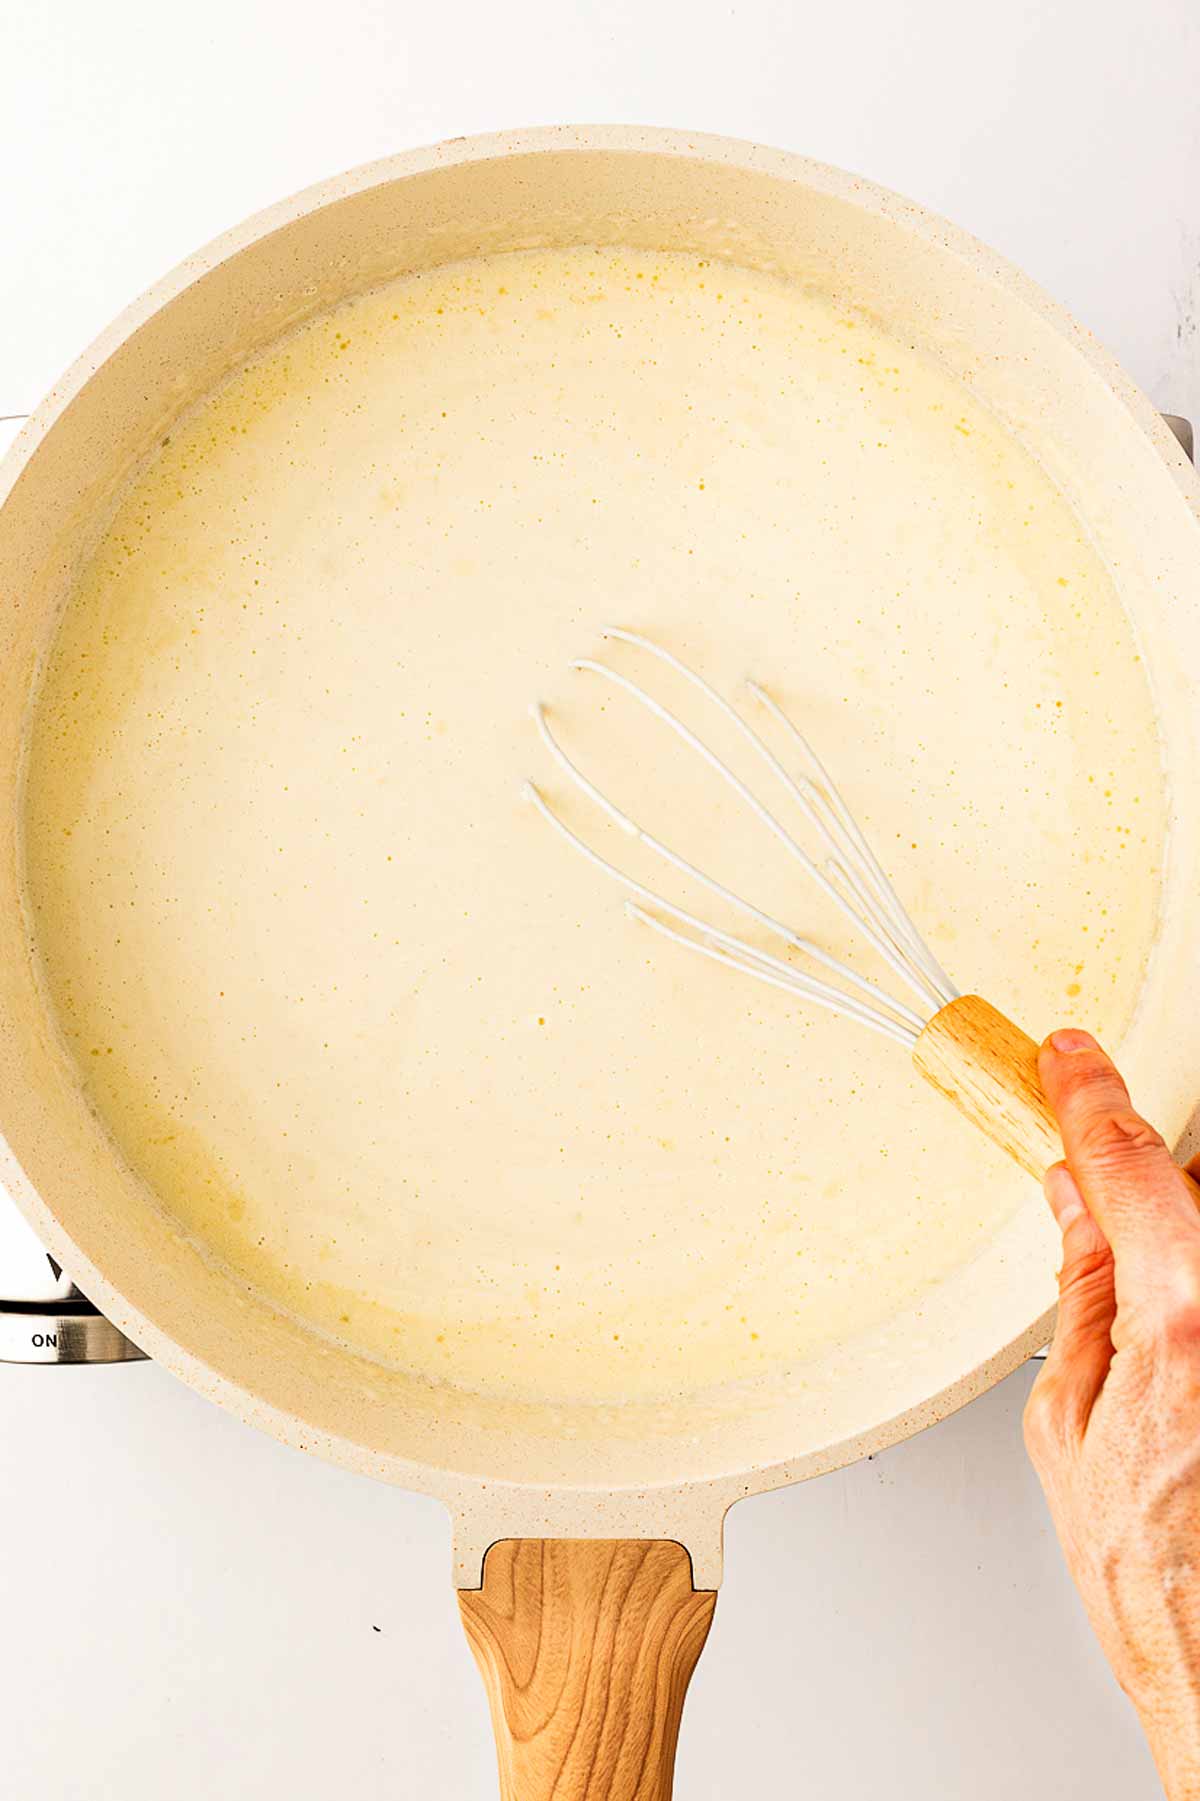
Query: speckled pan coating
(673, 1469)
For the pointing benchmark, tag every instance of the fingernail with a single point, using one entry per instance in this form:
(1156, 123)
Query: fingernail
(1071, 1039)
(1062, 1192)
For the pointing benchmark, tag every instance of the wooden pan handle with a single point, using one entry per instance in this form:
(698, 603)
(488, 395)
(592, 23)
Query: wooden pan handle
(586, 1647)
(988, 1067)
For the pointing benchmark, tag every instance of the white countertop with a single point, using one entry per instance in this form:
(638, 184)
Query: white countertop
(190, 1609)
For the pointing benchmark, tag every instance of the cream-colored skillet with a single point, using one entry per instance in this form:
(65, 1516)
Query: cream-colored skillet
(587, 1541)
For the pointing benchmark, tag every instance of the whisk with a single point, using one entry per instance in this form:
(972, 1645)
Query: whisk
(960, 1043)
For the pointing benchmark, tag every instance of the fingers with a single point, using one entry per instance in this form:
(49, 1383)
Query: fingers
(1082, 1350)
(1133, 1190)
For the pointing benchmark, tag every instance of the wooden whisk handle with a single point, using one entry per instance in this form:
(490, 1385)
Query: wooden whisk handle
(988, 1067)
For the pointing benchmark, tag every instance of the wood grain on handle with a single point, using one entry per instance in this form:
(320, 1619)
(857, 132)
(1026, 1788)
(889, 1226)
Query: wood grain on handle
(586, 1648)
(988, 1067)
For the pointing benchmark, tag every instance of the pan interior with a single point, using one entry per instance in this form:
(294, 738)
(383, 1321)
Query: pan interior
(376, 1041)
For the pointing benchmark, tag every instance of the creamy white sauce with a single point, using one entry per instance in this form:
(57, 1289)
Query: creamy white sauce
(366, 1027)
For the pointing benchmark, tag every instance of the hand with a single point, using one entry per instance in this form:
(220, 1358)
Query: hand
(1113, 1421)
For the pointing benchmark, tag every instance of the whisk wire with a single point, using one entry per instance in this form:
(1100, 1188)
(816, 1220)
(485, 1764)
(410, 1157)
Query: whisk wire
(831, 796)
(887, 1011)
(852, 878)
(822, 998)
(863, 923)
(737, 901)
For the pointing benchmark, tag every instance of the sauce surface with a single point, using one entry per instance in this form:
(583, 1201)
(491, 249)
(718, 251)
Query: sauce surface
(377, 1038)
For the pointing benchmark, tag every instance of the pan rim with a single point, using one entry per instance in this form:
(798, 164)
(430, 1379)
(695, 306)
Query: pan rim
(623, 139)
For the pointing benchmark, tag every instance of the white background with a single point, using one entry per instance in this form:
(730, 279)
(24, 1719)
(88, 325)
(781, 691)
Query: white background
(186, 1609)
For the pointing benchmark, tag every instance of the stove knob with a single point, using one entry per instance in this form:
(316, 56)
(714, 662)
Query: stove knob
(65, 1329)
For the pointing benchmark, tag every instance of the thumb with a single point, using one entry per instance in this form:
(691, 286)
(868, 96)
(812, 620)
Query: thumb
(1130, 1185)
(1078, 1361)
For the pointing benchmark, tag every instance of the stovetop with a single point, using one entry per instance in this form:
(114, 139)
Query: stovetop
(43, 1316)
